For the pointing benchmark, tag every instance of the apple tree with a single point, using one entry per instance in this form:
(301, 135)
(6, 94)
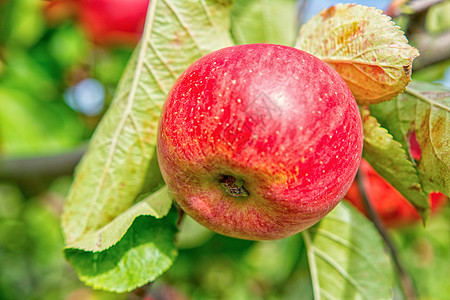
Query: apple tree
(121, 227)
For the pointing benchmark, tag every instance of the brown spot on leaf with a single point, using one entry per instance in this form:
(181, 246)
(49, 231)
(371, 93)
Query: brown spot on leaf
(326, 14)
(177, 40)
(408, 70)
(415, 187)
(350, 32)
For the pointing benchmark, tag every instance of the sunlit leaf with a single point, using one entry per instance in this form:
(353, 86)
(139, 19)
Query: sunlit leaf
(424, 109)
(268, 21)
(364, 46)
(391, 161)
(346, 257)
(112, 172)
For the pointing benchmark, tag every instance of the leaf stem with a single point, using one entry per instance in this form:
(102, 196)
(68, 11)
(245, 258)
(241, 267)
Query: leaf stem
(406, 281)
(419, 95)
(181, 215)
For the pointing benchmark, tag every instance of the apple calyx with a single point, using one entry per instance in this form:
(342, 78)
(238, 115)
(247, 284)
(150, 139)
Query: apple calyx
(233, 186)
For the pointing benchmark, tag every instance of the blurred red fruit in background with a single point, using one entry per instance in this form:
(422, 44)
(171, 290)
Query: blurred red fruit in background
(105, 22)
(391, 207)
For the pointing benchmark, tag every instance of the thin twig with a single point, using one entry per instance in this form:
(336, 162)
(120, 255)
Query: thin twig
(405, 279)
(433, 48)
(34, 174)
(422, 5)
(41, 165)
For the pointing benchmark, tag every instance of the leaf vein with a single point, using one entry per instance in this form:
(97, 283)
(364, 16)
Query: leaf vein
(159, 57)
(352, 247)
(312, 264)
(432, 102)
(185, 28)
(157, 81)
(339, 269)
(207, 12)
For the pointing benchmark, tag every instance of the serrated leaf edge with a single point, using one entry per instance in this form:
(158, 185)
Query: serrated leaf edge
(354, 61)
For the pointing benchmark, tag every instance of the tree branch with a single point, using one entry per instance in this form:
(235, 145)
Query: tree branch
(433, 49)
(418, 6)
(40, 166)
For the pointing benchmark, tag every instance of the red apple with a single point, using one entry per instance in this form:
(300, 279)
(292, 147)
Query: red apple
(259, 141)
(106, 22)
(391, 207)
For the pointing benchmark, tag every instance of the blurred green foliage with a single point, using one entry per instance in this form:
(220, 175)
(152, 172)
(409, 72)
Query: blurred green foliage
(38, 63)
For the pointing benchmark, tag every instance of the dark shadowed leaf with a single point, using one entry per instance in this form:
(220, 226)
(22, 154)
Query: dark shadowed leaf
(424, 109)
(143, 253)
(346, 257)
(367, 49)
(390, 160)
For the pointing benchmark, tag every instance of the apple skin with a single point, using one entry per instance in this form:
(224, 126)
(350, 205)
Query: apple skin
(259, 141)
(391, 207)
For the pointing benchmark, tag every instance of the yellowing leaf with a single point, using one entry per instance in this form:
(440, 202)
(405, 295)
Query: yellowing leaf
(144, 252)
(424, 109)
(364, 46)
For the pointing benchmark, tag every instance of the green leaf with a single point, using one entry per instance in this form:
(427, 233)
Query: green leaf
(143, 253)
(113, 171)
(346, 257)
(24, 24)
(437, 20)
(390, 160)
(365, 47)
(423, 108)
(156, 205)
(264, 21)
(426, 252)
